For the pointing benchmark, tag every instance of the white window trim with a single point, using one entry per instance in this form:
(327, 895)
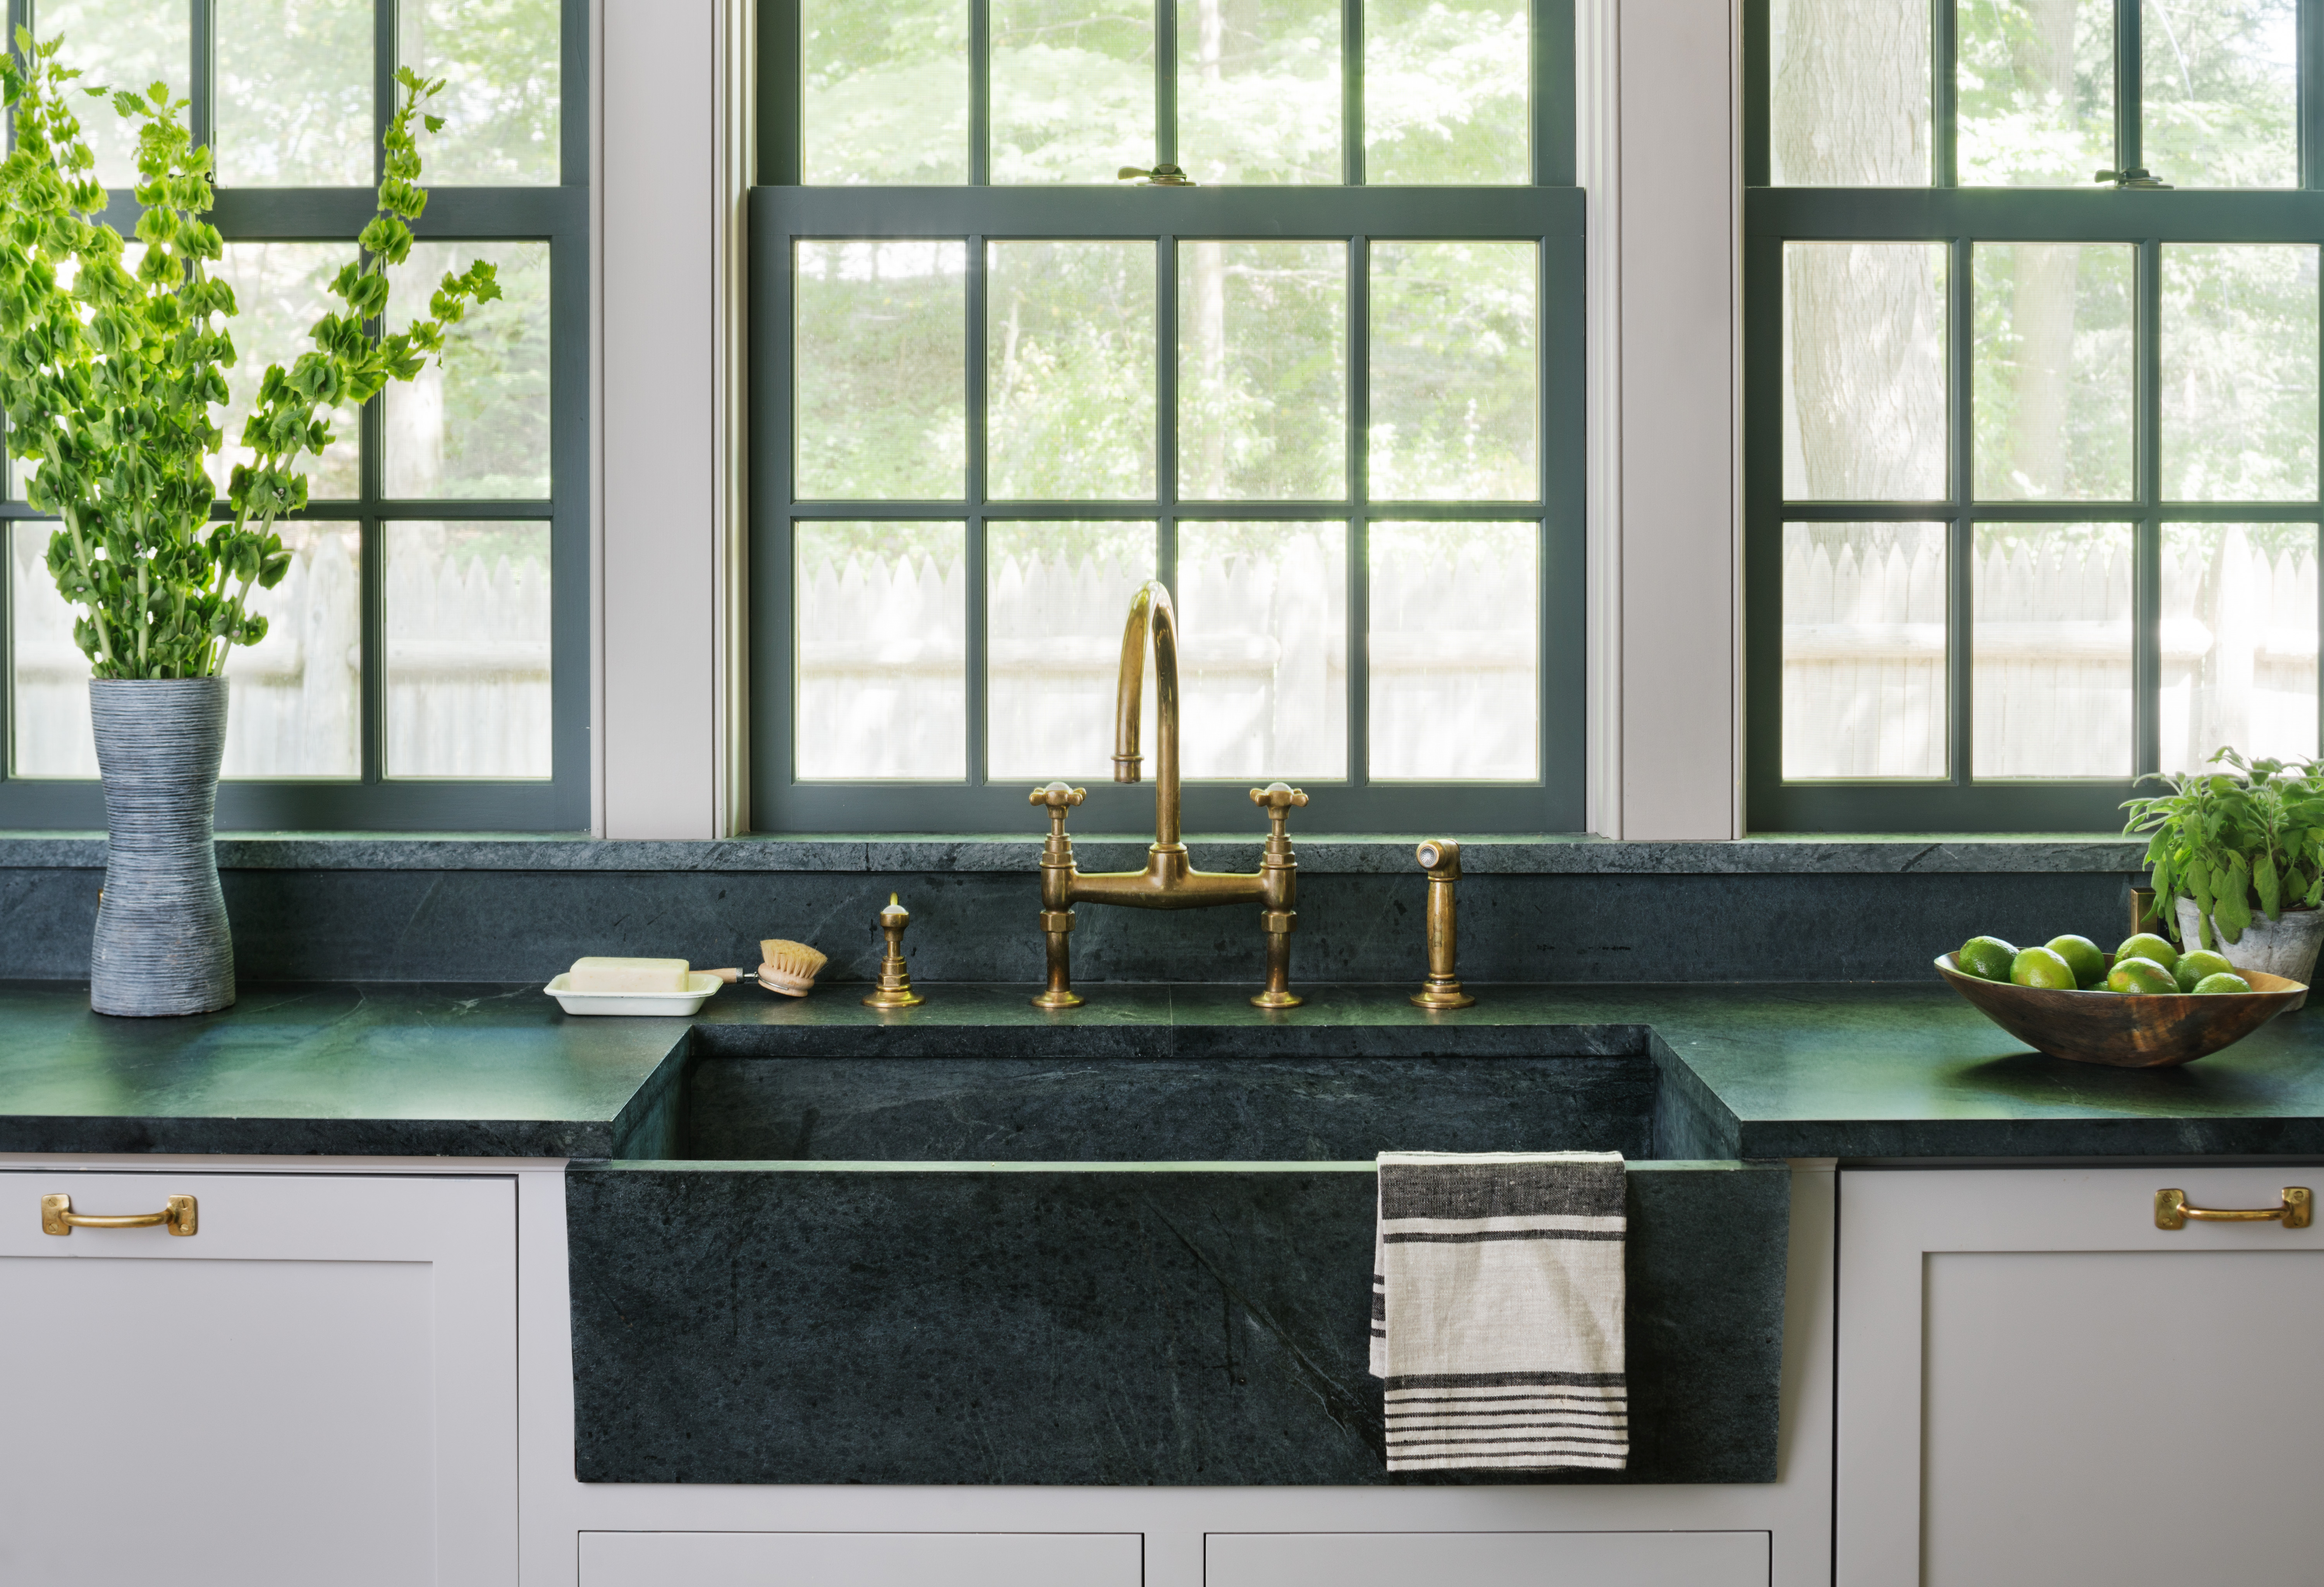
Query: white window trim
(1659, 149)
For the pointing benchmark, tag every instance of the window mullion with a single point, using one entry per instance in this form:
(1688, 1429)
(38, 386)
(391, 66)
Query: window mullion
(980, 93)
(201, 113)
(2129, 153)
(1552, 115)
(1961, 416)
(2147, 588)
(370, 541)
(1351, 92)
(1359, 634)
(1944, 40)
(384, 47)
(1165, 408)
(975, 665)
(2311, 146)
(1165, 82)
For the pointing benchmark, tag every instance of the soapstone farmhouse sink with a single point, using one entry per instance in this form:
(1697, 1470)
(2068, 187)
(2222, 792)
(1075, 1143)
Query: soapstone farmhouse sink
(917, 1267)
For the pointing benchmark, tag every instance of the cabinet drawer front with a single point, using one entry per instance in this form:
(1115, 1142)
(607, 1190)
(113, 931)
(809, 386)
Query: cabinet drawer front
(1486, 1559)
(863, 1559)
(319, 1385)
(2038, 1385)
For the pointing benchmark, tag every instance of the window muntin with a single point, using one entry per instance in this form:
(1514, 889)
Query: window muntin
(426, 663)
(2111, 391)
(1276, 378)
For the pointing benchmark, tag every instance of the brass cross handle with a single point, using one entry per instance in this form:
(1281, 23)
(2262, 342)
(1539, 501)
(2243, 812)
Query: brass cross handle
(1277, 799)
(1060, 798)
(2171, 1211)
(181, 1216)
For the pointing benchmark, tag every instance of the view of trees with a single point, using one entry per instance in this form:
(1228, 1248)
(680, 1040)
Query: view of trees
(294, 93)
(1069, 371)
(2054, 349)
(1850, 106)
(1259, 85)
(1071, 377)
(292, 105)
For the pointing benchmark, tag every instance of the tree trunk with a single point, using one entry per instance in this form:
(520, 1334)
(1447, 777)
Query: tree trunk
(2041, 307)
(1865, 322)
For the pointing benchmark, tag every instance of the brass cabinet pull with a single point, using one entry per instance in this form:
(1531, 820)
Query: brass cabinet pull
(57, 1217)
(2171, 1211)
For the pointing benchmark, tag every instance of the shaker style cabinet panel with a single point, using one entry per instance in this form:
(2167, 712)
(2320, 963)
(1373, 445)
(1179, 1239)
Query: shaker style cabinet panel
(1486, 1559)
(2038, 1386)
(861, 1559)
(317, 1385)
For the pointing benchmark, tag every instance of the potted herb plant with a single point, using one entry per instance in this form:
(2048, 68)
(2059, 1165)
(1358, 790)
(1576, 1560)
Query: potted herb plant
(2238, 861)
(109, 371)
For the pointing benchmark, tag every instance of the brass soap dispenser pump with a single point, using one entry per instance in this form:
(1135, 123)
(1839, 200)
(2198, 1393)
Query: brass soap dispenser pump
(895, 988)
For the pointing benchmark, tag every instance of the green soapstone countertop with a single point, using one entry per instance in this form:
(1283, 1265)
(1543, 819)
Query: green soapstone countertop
(1757, 1071)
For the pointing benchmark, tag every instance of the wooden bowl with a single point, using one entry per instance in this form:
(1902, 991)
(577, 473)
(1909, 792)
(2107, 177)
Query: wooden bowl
(2153, 1031)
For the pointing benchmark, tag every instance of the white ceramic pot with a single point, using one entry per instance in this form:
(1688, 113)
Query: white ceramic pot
(2284, 947)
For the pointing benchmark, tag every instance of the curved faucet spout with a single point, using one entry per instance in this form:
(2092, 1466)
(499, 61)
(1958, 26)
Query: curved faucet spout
(1150, 611)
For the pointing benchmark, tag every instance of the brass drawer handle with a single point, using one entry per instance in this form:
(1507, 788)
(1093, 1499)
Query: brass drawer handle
(181, 1216)
(2171, 1211)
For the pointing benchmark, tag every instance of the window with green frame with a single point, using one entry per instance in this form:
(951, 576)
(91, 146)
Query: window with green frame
(2032, 345)
(1329, 394)
(426, 665)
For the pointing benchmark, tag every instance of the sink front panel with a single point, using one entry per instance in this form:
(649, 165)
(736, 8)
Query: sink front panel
(1156, 1323)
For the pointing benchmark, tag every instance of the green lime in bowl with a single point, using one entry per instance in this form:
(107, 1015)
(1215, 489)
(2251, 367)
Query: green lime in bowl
(1988, 958)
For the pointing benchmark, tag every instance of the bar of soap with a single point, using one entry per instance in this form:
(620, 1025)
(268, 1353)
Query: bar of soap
(608, 974)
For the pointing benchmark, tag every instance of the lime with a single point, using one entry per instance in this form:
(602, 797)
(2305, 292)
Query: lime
(2193, 967)
(2147, 945)
(2141, 978)
(2082, 955)
(2211, 985)
(2042, 967)
(1987, 958)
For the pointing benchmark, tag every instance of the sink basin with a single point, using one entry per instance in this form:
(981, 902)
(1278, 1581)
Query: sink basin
(1178, 1110)
(903, 1263)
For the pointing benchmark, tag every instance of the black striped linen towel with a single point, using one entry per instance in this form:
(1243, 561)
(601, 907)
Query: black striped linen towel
(1496, 1310)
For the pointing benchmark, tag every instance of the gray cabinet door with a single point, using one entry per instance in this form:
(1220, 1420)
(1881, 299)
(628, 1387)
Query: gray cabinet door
(318, 1385)
(2039, 1386)
(1485, 1559)
(861, 1559)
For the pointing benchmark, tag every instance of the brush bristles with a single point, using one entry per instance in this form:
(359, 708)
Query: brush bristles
(790, 967)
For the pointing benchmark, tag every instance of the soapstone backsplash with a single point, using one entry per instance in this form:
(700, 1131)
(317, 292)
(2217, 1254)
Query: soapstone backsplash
(368, 912)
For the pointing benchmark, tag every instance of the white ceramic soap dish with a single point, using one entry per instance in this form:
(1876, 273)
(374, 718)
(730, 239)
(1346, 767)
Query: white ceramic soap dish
(699, 985)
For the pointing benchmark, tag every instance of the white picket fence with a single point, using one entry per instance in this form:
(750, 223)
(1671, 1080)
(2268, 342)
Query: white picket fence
(1263, 662)
(1864, 655)
(468, 667)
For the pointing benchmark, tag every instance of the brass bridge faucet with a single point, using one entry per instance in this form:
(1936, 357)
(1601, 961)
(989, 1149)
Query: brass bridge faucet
(1170, 881)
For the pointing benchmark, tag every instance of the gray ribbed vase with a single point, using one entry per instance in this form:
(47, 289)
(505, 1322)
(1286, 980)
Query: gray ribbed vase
(161, 941)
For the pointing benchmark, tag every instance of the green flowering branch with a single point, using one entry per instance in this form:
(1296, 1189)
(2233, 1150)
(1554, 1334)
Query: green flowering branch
(108, 377)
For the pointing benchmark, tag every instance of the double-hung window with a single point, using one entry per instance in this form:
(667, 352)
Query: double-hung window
(2032, 346)
(426, 664)
(1326, 390)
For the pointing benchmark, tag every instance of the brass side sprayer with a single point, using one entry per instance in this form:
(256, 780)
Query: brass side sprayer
(1440, 858)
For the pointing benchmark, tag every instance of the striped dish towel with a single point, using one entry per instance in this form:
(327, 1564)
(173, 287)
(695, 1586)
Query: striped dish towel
(1496, 1310)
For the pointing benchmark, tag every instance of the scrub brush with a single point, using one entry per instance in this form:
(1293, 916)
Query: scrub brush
(790, 967)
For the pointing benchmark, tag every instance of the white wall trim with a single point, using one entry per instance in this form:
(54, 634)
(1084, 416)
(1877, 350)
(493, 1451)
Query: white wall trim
(1658, 102)
(596, 101)
(672, 186)
(1597, 114)
(1657, 146)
